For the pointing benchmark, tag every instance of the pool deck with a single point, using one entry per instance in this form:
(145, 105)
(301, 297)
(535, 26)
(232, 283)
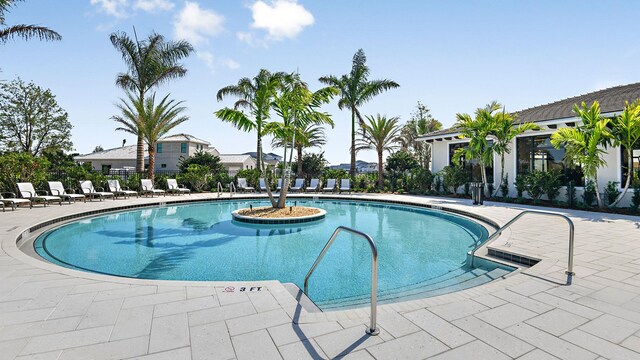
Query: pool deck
(48, 312)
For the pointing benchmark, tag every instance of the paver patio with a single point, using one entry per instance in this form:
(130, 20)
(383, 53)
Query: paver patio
(49, 312)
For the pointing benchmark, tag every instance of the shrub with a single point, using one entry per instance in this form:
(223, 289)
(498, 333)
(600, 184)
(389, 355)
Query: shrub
(520, 184)
(504, 187)
(611, 192)
(204, 159)
(438, 182)
(552, 184)
(252, 176)
(422, 180)
(160, 181)
(491, 188)
(133, 182)
(534, 183)
(589, 195)
(635, 199)
(196, 177)
(365, 182)
(22, 167)
(572, 198)
(334, 174)
(454, 176)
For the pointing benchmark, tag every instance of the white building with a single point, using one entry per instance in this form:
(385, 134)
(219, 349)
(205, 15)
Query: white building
(533, 151)
(234, 163)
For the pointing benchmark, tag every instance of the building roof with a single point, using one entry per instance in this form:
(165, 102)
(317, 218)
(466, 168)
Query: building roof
(265, 156)
(233, 158)
(119, 153)
(611, 100)
(183, 138)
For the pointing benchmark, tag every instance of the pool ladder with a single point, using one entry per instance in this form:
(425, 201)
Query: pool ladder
(569, 271)
(372, 330)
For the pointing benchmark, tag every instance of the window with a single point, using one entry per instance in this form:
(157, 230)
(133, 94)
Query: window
(159, 148)
(183, 148)
(163, 166)
(625, 160)
(536, 153)
(471, 166)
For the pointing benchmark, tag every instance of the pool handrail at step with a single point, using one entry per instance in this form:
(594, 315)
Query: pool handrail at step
(372, 330)
(232, 189)
(493, 236)
(220, 189)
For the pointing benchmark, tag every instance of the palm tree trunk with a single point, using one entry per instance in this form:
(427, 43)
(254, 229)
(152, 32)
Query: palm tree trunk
(501, 174)
(152, 162)
(140, 154)
(299, 172)
(483, 172)
(380, 179)
(629, 177)
(259, 150)
(352, 169)
(600, 203)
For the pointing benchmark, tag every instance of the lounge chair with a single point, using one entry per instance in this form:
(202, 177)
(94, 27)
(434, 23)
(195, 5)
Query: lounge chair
(57, 189)
(89, 191)
(345, 185)
(298, 186)
(13, 201)
(279, 187)
(147, 188)
(28, 192)
(331, 186)
(174, 188)
(263, 186)
(117, 190)
(314, 185)
(242, 186)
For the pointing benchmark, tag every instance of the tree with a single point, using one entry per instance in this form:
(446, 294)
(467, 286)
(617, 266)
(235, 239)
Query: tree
(420, 123)
(149, 120)
(98, 149)
(503, 133)
(355, 89)
(255, 96)
(31, 120)
(626, 133)
(204, 159)
(18, 167)
(313, 165)
(23, 31)
(311, 135)
(380, 134)
(585, 144)
(150, 62)
(399, 163)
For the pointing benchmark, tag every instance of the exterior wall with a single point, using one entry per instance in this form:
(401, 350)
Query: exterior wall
(171, 154)
(233, 168)
(115, 164)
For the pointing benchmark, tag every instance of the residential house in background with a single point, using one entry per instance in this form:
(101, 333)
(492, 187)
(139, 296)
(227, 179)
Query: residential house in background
(362, 167)
(269, 159)
(533, 151)
(236, 162)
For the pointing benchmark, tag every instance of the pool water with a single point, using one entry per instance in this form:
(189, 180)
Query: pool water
(417, 248)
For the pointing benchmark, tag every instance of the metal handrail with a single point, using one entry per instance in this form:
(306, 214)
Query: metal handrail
(232, 189)
(569, 271)
(372, 330)
(220, 189)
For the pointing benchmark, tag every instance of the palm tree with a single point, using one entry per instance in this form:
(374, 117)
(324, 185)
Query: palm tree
(22, 31)
(355, 89)
(380, 134)
(503, 133)
(311, 135)
(421, 123)
(255, 95)
(585, 144)
(149, 120)
(626, 133)
(150, 63)
(477, 130)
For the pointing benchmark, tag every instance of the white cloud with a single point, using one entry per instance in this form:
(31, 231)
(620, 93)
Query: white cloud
(281, 18)
(229, 63)
(212, 62)
(115, 8)
(153, 6)
(196, 24)
(207, 57)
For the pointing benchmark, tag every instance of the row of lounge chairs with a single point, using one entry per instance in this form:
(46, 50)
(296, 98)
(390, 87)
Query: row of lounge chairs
(315, 185)
(57, 193)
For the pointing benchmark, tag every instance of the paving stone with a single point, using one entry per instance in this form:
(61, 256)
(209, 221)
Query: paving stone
(549, 343)
(176, 354)
(263, 301)
(52, 355)
(523, 301)
(228, 298)
(567, 305)
(537, 354)
(440, 329)
(614, 296)
(38, 328)
(599, 346)
(132, 323)
(505, 315)
(458, 309)
(498, 339)
(414, 346)
(397, 325)
(111, 350)
(257, 321)
(289, 333)
(610, 328)
(255, 345)
(169, 332)
(66, 340)
(185, 306)
(633, 343)
(220, 313)
(358, 355)
(10, 348)
(101, 313)
(557, 321)
(489, 300)
(21, 317)
(200, 291)
(346, 341)
(153, 299)
(73, 305)
(306, 349)
(129, 291)
(476, 350)
(211, 341)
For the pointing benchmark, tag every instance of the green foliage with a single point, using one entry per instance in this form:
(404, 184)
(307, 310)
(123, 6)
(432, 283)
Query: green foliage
(196, 177)
(22, 167)
(589, 194)
(252, 176)
(490, 190)
(334, 174)
(25, 32)
(635, 199)
(611, 192)
(420, 123)
(521, 184)
(313, 165)
(58, 159)
(504, 187)
(534, 184)
(400, 162)
(454, 176)
(132, 182)
(551, 184)
(160, 181)
(202, 158)
(421, 180)
(365, 183)
(437, 183)
(572, 198)
(31, 120)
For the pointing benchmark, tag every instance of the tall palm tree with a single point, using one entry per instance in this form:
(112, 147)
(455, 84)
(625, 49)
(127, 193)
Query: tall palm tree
(311, 135)
(255, 95)
(380, 134)
(503, 133)
(22, 31)
(585, 144)
(354, 90)
(626, 133)
(150, 63)
(149, 120)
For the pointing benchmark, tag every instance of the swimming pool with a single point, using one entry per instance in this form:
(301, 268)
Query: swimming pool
(422, 252)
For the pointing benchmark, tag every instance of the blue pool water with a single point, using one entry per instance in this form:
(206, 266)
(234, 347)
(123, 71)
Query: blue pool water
(418, 248)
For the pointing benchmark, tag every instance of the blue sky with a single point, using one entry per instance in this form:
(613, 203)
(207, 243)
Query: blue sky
(453, 56)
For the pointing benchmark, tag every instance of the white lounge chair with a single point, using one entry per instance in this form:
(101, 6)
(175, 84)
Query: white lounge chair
(57, 189)
(89, 191)
(146, 185)
(117, 190)
(345, 185)
(263, 186)
(279, 187)
(174, 188)
(13, 201)
(242, 186)
(27, 191)
(314, 185)
(298, 186)
(331, 186)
